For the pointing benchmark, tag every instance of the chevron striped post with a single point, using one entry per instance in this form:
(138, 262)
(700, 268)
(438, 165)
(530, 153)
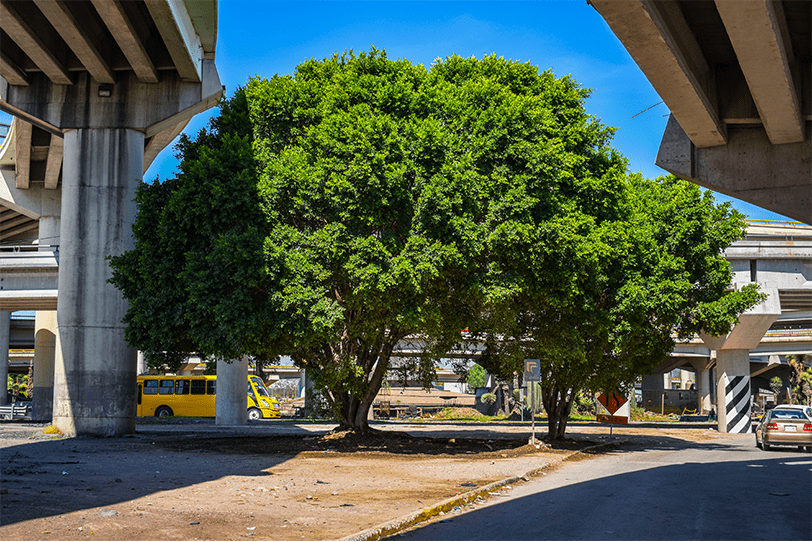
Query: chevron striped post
(733, 398)
(737, 404)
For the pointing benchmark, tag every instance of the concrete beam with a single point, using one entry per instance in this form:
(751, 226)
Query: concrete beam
(28, 300)
(76, 38)
(759, 35)
(53, 164)
(749, 167)
(160, 141)
(178, 33)
(752, 326)
(132, 104)
(22, 132)
(11, 72)
(125, 34)
(33, 202)
(27, 39)
(659, 40)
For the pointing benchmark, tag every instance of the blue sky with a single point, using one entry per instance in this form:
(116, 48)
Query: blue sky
(567, 36)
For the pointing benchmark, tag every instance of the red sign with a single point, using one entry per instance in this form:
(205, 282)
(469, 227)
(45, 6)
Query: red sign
(612, 401)
(605, 418)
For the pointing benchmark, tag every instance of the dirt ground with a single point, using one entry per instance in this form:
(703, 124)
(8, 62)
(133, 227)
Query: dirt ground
(274, 479)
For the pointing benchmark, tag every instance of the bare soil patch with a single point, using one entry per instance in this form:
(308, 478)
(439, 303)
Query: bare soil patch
(189, 481)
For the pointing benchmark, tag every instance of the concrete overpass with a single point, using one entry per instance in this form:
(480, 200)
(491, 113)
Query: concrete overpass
(736, 76)
(96, 89)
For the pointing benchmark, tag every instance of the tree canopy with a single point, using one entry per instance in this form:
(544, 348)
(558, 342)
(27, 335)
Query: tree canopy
(618, 293)
(328, 214)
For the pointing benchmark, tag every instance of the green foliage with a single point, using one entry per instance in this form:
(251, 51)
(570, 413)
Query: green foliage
(329, 214)
(464, 414)
(476, 376)
(195, 280)
(584, 404)
(775, 385)
(599, 295)
(488, 398)
(801, 379)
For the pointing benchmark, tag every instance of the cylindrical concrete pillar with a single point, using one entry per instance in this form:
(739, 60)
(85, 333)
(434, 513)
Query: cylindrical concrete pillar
(702, 382)
(703, 390)
(141, 364)
(232, 392)
(44, 351)
(733, 390)
(94, 377)
(45, 323)
(5, 339)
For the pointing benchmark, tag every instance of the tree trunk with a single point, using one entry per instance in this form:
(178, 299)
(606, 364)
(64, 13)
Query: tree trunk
(558, 404)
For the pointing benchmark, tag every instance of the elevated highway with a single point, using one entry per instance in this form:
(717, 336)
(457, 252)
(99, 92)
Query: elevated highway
(737, 77)
(97, 89)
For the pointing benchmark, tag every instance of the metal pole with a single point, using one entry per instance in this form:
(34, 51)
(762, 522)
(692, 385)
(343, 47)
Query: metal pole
(533, 411)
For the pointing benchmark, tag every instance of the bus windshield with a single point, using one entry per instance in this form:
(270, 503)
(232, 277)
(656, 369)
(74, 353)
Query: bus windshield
(261, 389)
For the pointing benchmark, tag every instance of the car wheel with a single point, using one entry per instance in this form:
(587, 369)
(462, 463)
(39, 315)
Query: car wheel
(766, 446)
(163, 412)
(758, 444)
(254, 414)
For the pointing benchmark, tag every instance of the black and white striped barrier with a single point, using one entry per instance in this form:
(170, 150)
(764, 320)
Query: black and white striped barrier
(737, 404)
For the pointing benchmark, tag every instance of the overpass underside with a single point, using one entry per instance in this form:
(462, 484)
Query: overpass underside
(96, 89)
(736, 76)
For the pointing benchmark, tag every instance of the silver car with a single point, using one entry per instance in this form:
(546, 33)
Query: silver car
(786, 425)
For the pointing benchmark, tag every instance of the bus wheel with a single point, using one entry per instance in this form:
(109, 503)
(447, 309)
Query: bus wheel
(254, 414)
(163, 412)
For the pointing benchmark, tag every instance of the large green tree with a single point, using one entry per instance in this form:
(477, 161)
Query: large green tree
(601, 302)
(329, 214)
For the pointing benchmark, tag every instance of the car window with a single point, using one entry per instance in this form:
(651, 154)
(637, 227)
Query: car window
(787, 414)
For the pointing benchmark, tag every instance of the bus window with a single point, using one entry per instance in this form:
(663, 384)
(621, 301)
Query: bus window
(139, 394)
(181, 387)
(211, 387)
(150, 387)
(198, 387)
(167, 387)
(261, 389)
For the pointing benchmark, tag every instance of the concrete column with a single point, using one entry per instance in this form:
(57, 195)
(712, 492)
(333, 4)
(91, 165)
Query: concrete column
(5, 338)
(44, 355)
(94, 377)
(733, 362)
(45, 321)
(141, 364)
(733, 390)
(232, 392)
(702, 381)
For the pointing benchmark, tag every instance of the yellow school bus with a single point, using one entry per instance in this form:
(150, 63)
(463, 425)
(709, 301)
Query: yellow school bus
(166, 395)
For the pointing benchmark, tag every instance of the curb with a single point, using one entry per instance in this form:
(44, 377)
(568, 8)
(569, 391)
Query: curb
(413, 518)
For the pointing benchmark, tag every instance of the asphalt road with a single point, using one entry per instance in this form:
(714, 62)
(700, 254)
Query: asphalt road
(650, 489)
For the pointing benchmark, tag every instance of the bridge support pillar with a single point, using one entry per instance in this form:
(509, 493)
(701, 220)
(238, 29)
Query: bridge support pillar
(44, 355)
(733, 363)
(733, 390)
(232, 392)
(94, 377)
(5, 338)
(703, 382)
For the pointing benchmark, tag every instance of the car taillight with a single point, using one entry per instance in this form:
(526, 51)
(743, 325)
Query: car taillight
(772, 426)
(808, 427)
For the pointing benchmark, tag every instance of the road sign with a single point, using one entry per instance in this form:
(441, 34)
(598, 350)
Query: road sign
(532, 370)
(617, 420)
(612, 401)
(618, 409)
